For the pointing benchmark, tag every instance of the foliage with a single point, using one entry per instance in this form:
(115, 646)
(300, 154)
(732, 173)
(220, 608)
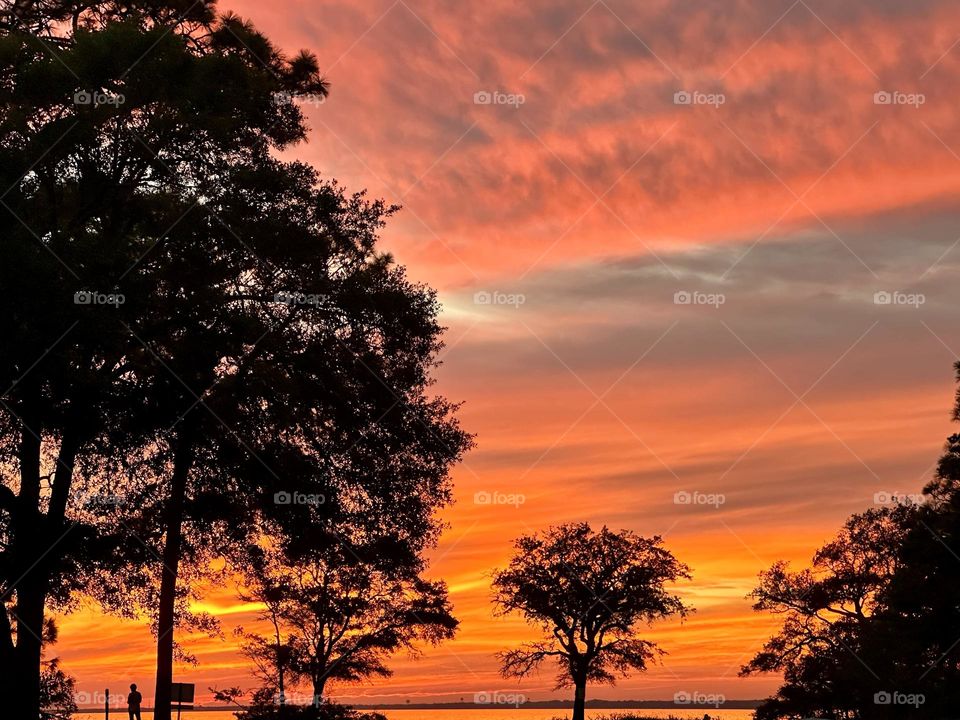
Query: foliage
(265, 709)
(116, 119)
(339, 612)
(136, 149)
(589, 593)
(57, 692)
(876, 615)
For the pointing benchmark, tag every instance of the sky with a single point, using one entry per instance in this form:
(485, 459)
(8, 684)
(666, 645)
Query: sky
(697, 262)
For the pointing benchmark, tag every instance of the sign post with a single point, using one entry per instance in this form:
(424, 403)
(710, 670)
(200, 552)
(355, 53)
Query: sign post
(106, 703)
(182, 695)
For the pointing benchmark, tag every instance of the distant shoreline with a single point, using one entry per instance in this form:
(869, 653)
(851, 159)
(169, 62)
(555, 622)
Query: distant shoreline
(566, 705)
(532, 705)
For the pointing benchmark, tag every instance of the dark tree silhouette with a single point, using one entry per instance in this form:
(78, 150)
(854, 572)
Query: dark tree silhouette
(254, 299)
(589, 593)
(339, 612)
(57, 692)
(874, 621)
(824, 647)
(114, 116)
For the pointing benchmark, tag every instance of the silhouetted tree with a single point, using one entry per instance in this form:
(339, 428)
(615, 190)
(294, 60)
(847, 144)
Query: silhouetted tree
(877, 614)
(830, 611)
(114, 116)
(57, 689)
(57, 692)
(340, 609)
(922, 602)
(589, 593)
(135, 149)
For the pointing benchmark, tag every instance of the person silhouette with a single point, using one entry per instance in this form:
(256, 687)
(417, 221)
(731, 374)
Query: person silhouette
(133, 702)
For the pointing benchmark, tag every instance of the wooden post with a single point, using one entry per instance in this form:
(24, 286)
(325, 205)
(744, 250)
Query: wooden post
(106, 704)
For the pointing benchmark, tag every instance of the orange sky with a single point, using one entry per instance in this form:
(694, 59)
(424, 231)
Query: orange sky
(598, 199)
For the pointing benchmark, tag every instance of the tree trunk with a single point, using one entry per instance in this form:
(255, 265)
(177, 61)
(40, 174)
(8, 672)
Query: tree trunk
(31, 594)
(281, 662)
(34, 543)
(7, 648)
(29, 546)
(579, 697)
(183, 458)
(7, 653)
(62, 481)
(318, 684)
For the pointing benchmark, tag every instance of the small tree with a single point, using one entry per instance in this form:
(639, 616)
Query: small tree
(339, 611)
(588, 591)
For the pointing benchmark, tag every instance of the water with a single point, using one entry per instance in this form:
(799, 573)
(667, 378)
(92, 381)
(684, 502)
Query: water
(482, 714)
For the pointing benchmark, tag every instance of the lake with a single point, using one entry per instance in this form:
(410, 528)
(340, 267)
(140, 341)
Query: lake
(475, 714)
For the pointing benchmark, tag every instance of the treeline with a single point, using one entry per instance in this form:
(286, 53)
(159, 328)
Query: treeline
(207, 367)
